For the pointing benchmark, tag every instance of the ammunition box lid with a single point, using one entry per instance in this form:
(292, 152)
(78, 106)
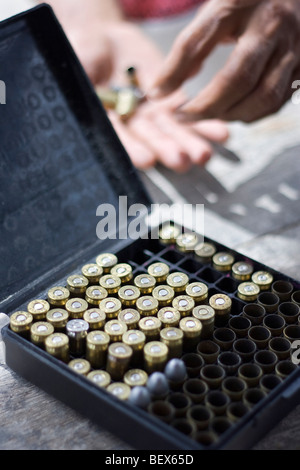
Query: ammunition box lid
(59, 155)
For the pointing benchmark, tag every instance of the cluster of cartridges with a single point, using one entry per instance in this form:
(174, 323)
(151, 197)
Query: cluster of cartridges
(169, 344)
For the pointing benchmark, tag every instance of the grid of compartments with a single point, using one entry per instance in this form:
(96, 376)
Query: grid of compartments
(229, 371)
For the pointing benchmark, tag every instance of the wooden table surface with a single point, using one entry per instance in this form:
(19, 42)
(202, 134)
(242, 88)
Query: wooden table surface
(252, 206)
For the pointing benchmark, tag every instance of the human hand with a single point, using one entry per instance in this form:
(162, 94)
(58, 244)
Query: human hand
(257, 79)
(152, 135)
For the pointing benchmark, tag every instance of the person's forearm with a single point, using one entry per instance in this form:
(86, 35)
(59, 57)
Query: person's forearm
(74, 12)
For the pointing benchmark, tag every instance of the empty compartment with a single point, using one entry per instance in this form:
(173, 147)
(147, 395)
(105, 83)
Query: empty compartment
(209, 275)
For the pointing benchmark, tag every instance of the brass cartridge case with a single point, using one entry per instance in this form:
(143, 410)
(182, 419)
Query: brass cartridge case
(150, 326)
(110, 283)
(209, 351)
(242, 271)
(96, 348)
(111, 307)
(224, 337)
(164, 295)
(95, 318)
(20, 322)
(184, 304)
(168, 233)
(268, 382)
(80, 366)
(58, 318)
(94, 295)
(145, 283)
(118, 360)
(159, 271)
(106, 261)
(123, 271)
(136, 340)
(236, 411)
(39, 332)
(198, 291)
(263, 279)
(76, 307)
(115, 330)
(128, 295)
(266, 360)
(58, 296)
(155, 356)
(57, 345)
(119, 390)
(289, 311)
(281, 347)
(38, 309)
(221, 304)
(77, 284)
(251, 374)
(193, 363)
(99, 377)
(173, 338)
(275, 324)
(147, 306)
(92, 272)
(248, 291)
(169, 317)
(230, 362)
(223, 261)
(240, 325)
(206, 315)
(130, 317)
(136, 377)
(285, 368)
(192, 329)
(187, 242)
(178, 281)
(204, 252)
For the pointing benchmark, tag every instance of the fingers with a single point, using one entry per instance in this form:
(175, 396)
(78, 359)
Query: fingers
(213, 129)
(191, 47)
(197, 149)
(166, 149)
(236, 80)
(270, 94)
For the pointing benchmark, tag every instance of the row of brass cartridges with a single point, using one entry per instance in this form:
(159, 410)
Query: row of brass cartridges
(168, 326)
(225, 262)
(96, 344)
